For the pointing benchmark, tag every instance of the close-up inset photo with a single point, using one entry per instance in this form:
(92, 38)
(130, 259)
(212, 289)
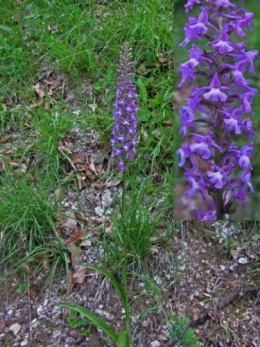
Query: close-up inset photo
(216, 104)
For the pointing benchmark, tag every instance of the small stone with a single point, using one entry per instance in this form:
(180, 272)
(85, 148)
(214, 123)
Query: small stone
(56, 334)
(34, 323)
(256, 237)
(15, 328)
(158, 280)
(155, 343)
(24, 343)
(99, 211)
(39, 310)
(243, 260)
(232, 267)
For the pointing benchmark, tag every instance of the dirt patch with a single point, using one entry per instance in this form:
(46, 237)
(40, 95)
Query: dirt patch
(188, 278)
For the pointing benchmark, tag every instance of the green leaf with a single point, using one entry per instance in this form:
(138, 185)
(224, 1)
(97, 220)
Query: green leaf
(143, 115)
(114, 282)
(93, 318)
(122, 339)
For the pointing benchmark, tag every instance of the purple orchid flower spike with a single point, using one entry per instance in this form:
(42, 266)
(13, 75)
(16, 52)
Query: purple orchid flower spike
(124, 132)
(218, 110)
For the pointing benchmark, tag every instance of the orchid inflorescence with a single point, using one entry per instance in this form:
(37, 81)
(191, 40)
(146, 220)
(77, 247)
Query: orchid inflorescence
(216, 115)
(124, 131)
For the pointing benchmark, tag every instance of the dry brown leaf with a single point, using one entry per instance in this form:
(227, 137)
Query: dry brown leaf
(46, 105)
(46, 264)
(5, 139)
(80, 217)
(142, 70)
(86, 243)
(75, 254)
(76, 236)
(81, 182)
(92, 165)
(34, 291)
(65, 150)
(51, 82)
(196, 313)
(44, 259)
(78, 158)
(39, 90)
(168, 123)
(79, 275)
(162, 60)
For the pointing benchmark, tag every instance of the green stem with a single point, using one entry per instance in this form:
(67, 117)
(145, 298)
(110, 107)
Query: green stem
(124, 265)
(218, 202)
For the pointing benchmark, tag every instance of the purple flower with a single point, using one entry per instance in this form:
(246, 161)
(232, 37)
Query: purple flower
(187, 118)
(232, 120)
(196, 28)
(215, 93)
(209, 215)
(214, 115)
(197, 185)
(125, 112)
(222, 44)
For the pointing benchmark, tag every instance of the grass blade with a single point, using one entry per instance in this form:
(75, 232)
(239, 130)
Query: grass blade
(93, 318)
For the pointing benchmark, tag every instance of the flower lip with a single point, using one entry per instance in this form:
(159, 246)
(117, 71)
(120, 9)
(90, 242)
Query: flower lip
(202, 149)
(216, 178)
(215, 93)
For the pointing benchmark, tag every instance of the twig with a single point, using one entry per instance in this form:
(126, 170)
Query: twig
(224, 302)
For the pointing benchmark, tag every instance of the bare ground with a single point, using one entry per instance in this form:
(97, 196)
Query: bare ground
(196, 276)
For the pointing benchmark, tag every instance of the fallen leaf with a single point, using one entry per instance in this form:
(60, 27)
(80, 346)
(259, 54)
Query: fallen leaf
(86, 243)
(75, 254)
(39, 90)
(34, 291)
(79, 275)
(80, 217)
(78, 235)
(81, 182)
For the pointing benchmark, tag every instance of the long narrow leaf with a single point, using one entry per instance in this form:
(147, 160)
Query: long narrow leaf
(122, 339)
(93, 318)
